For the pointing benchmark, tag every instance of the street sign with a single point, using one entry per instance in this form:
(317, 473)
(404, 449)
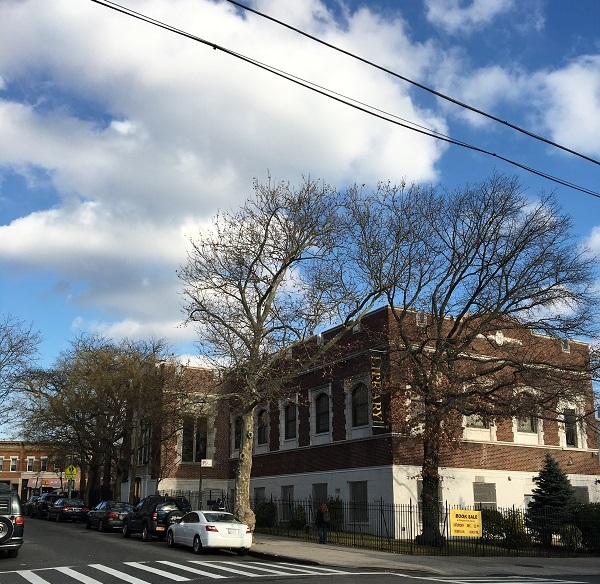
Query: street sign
(206, 462)
(70, 472)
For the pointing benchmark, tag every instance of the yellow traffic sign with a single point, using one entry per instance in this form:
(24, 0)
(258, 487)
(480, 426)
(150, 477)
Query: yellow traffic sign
(70, 472)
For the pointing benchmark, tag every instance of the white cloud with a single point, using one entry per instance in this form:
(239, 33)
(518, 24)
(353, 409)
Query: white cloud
(454, 17)
(569, 102)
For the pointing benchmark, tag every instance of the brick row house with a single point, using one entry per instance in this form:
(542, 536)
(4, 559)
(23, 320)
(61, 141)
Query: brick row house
(328, 437)
(27, 468)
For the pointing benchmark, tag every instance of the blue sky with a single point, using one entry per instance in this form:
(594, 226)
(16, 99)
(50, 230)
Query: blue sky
(118, 140)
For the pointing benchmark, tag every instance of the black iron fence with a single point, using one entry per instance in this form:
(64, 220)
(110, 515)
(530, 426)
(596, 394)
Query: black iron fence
(399, 529)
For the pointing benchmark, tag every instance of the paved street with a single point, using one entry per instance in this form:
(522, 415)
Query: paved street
(68, 553)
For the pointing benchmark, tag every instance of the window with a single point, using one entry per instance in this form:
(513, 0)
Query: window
(359, 511)
(145, 443)
(43, 464)
(484, 495)
(360, 405)
(582, 493)
(13, 463)
(1, 463)
(237, 433)
(527, 424)
(322, 413)
(289, 414)
(194, 438)
(477, 421)
(262, 434)
(30, 460)
(259, 494)
(570, 422)
(319, 492)
(565, 346)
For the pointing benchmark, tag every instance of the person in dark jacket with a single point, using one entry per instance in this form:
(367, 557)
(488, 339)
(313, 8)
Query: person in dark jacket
(322, 521)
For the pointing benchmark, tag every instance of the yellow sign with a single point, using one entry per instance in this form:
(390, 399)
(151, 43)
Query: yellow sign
(465, 523)
(70, 472)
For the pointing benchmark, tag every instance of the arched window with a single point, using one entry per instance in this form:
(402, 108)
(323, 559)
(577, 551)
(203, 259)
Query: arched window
(322, 413)
(237, 433)
(360, 405)
(289, 413)
(262, 434)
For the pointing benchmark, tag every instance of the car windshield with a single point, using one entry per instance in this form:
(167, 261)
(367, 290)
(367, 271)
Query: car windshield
(75, 502)
(221, 518)
(121, 506)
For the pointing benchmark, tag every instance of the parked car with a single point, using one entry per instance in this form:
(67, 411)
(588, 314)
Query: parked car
(12, 521)
(29, 506)
(108, 515)
(43, 504)
(202, 530)
(66, 509)
(153, 515)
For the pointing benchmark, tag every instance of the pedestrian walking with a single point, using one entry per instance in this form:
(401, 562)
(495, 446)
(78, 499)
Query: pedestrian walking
(322, 521)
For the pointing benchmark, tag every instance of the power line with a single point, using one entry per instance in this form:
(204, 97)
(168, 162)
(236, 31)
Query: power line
(415, 83)
(340, 98)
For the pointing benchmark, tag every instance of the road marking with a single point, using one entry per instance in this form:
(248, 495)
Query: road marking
(162, 573)
(77, 576)
(226, 569)
(32, 577)
(491, 580)
(118, 574)
(190, 569)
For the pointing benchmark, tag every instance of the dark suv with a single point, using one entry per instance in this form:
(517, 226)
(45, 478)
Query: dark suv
(12, 521)
(153, 515)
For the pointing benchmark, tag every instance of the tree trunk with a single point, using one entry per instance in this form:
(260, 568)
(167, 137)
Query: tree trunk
(242, 481)
(430, 496)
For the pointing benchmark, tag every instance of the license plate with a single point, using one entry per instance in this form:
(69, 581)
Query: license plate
(160, 528)
(232, 531)
(121, 515)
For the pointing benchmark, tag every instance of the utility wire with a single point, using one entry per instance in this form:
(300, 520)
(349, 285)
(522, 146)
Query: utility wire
(340, 98)
(415, 83)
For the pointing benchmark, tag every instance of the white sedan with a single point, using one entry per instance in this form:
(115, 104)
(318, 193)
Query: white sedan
(210, 529)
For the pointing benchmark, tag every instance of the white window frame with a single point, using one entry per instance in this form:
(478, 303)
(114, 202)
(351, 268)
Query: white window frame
(535, 438)
(1, 463)
(580, 434)
(288, 443)
(235, 452)
(366, 430)
(14, 463)
(43, 464)
(321, 437)
(479, 434)
(30, 463)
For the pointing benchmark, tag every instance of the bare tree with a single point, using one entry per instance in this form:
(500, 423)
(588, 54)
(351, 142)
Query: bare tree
(97, 400)
(459, 267)
(261, 280)
(18, 349)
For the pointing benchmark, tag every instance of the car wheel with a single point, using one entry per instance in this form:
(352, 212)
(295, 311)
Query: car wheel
(197, 545)
(6, 529)
(13, 553)
(241, 551)
(146, 533)
(101, 525)
(170, 539)
(126, 530)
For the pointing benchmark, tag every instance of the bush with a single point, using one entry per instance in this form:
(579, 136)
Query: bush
(336, 514)
(571, 537)
(266, 514)
(492, 524)
(297, 518)
(515, 535)
(588, 522)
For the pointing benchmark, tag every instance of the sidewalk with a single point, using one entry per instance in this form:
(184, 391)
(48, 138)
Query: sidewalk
(297, 550)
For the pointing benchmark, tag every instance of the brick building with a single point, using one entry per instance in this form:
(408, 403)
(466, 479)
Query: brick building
(327, 437)
(28, 468)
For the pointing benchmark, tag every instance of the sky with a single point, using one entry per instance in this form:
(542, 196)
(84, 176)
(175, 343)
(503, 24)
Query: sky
(119, 140)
